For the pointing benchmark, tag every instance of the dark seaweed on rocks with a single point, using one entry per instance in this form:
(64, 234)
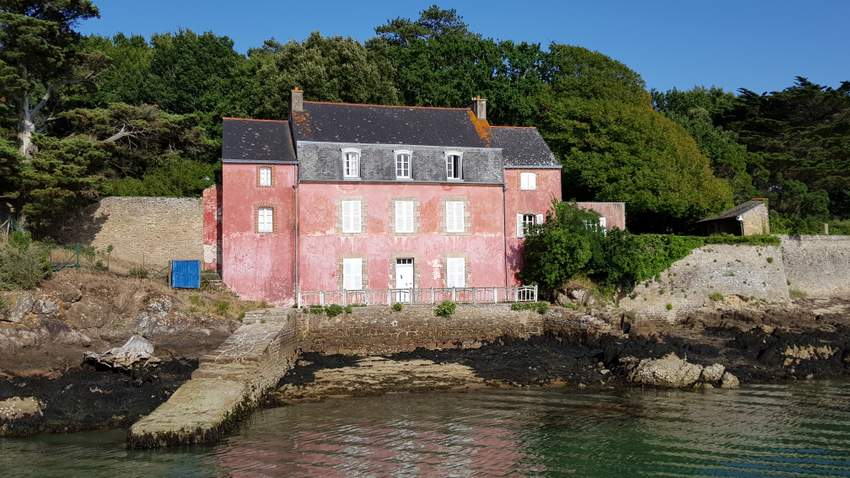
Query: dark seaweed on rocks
(88, 399)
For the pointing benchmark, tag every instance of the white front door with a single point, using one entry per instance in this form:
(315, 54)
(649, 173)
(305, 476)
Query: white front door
(403, 279)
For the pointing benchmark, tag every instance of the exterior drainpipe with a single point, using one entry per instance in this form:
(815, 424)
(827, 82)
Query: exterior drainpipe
(504, 229)
(297, 260)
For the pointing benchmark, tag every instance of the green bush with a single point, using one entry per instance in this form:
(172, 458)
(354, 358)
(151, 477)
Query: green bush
(349, 309)
(333, 310)
(445, 309)
(715, 296)
(669, 306)
(539, 307)
(316, 309)
(222, 306)
(23, 263)
(397, 307)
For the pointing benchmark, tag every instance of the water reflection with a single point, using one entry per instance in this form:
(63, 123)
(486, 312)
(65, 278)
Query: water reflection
(796, 430)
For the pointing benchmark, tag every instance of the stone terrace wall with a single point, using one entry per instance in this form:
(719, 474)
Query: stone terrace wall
(746, 271)
(818, 266)
(152, 230)
(377, 330)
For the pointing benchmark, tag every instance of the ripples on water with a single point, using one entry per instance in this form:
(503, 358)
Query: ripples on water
(768, 430)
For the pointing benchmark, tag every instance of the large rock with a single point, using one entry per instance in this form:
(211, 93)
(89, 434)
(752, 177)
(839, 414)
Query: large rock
(20, 415)
(136, 352)
(18, 305)
(669, 371)
(729, 381)
(713, 373)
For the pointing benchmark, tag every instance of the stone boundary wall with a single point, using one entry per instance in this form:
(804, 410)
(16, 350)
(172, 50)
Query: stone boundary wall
(751, 272)
(812, 266)
(377, 330)
(149, 230)
(818, 266)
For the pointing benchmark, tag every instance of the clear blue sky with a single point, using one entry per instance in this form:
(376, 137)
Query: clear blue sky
(760, 45)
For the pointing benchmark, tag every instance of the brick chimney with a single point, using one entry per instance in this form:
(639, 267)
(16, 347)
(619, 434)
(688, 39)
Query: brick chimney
(479, 107)
(296, 101)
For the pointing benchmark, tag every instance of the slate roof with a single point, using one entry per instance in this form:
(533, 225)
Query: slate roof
(735, 211)
(523, 147)
(376, 124)
(263, 141)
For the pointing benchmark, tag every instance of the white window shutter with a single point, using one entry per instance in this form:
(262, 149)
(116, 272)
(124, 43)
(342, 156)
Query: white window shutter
(532, 182)
(357, 216)
(351, 217)
(520, 227)
(455, 216)
(603, 223)
(538, 219)
(455, 272)
(352, 274)
(404, 216)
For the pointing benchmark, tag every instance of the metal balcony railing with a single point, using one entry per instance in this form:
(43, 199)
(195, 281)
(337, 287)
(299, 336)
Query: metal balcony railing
(418, 296)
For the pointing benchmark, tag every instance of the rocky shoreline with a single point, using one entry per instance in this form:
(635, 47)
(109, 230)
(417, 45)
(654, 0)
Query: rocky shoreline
(708, 349)
(42, 349)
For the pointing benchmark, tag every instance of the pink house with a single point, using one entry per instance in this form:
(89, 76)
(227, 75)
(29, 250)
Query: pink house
(366, 197)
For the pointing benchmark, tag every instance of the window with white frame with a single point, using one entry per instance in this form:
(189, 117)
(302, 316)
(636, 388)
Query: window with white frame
(455, 216)
(454, 165)
(352, 273)
(601, 225)
(404, 216)
(525, 221)
(527, 181)
(351, 163)
(352, 216)
(402, 164)
(265, 176)
(265, 219)
(455, 272)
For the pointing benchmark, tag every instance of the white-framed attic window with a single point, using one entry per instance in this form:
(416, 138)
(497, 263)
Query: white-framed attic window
(403, 163)
(454, 165)
(351, 163)
(527, 181)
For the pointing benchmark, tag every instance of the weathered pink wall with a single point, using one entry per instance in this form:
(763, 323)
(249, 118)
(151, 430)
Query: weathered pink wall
(258, 266)
(613, 212)
(212, 227)
(517, 201)
(322, 248)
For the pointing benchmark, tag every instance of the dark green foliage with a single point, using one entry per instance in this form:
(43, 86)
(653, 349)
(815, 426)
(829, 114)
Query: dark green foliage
(569, 243)
(633, 258)
(23, 262)
(539, 307)
(349, 309)
(333, 310)
(445, 309)
(561, 247)
(397, 307)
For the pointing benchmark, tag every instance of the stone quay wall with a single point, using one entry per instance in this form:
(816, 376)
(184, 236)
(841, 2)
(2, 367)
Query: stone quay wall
(378, 330)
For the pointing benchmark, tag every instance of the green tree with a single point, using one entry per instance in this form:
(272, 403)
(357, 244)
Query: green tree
(801, 133)
(696, 110)
(63, 176)
(326, 68)
(193, 73)
(127, 78)
(613, 151)
(562, 246)
(39, 58)
(577, 72)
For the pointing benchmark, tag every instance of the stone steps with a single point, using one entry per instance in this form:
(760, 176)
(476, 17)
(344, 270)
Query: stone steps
(228, 383)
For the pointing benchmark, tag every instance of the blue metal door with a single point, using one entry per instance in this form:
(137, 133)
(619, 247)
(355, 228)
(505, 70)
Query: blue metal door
(186, 274)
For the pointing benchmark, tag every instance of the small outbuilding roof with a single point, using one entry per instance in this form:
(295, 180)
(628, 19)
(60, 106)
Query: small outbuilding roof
(256, 141)
(522, 147)
(735, 211)
(380, 124)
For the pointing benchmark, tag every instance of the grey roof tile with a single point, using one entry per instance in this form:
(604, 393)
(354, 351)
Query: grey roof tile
(523, 146)
(250, 140)
(378, 124)
(735, 211)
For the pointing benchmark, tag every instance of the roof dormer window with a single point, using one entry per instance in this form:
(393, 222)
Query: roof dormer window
(454, 165)
(402, 164)
(351, 163)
